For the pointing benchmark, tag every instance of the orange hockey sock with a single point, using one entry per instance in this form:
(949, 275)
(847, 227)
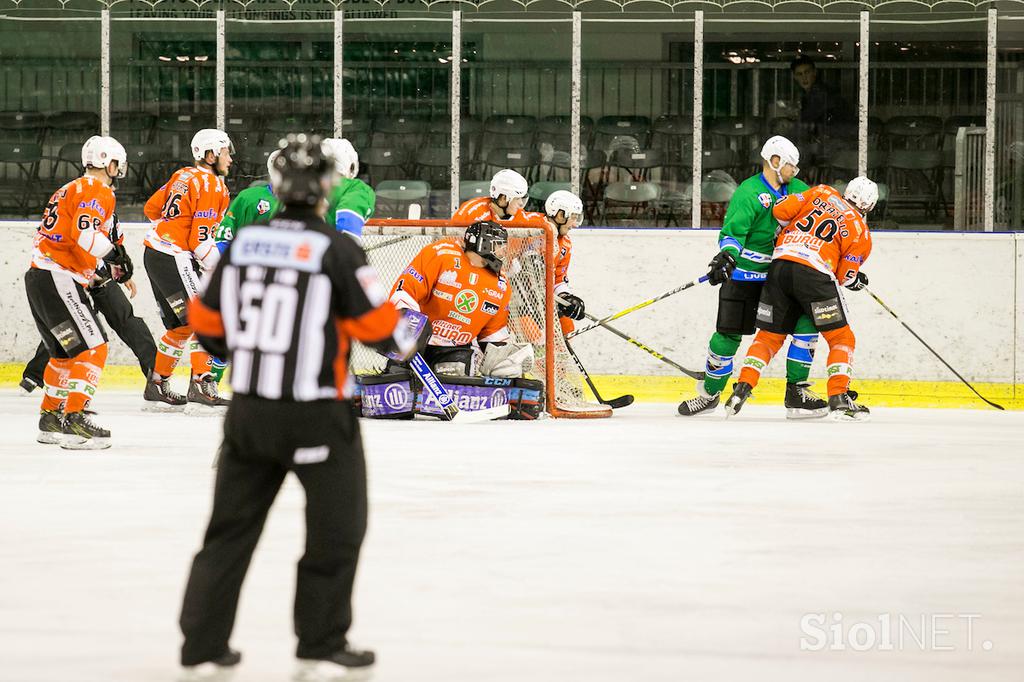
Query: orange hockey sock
(841, 343)
(169, 350)
(55, 383)
(85, 377)
(760, 353)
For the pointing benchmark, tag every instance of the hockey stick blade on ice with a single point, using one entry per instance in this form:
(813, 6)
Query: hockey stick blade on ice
(638, 306)
(449, 410)
(614, 403)
(948, 366)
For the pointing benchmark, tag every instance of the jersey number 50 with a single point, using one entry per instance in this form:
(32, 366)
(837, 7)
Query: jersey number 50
(266, 317)
(825, 230)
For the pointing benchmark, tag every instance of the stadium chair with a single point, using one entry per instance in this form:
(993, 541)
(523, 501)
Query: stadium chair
(175, 131)
(509, 131)
(540, 191)
(781, 125)
(954, 123)
(356, 130)
(71, 126)
(382, 163)
(638, 164)
(739, 133)
(525, 160)
(132, 127)
(66, 164)
(395, 196)
(610, 127)
(914, 179)
(243, 129)
(22, 126)
(278, 126)
(149, 166)
(405, 132)
(592, 181)
(20, 191)
(673, 135)
(631, 202)
(913, 132)
(433, 165)
(471, 189)
(557, 132)
(719, 159)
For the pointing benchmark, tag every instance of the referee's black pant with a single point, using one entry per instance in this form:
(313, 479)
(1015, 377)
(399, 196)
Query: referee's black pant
(263, 441)
(110, 301)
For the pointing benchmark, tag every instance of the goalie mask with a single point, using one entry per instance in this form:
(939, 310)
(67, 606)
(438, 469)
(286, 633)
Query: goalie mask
(489, 240)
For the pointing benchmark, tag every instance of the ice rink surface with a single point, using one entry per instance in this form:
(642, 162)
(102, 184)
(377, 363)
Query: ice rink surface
(638, 548)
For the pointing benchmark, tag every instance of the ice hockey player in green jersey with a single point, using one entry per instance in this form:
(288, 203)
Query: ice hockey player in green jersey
(746, 243)
(254, 205)
(351, 201)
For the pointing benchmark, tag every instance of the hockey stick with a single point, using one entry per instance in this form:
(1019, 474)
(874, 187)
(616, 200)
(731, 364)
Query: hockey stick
(948, 366)
(699, 376)
(614, 403)
(638, 306)
(450, 410)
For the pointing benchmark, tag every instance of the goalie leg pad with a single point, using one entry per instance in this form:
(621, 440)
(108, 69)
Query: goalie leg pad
(450, 360)
(525, 397)
(386, 396)
(507, 360)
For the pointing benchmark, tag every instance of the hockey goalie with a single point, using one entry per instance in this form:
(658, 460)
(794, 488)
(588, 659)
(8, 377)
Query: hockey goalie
(459, 288)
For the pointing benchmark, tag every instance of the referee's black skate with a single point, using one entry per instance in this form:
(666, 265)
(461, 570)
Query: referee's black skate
(843, 408)
(346, 664)
(701, 404)
(50, 427)
(740, 392)
(160, 397)
(79, 432)
(803, 403)
(220, 669)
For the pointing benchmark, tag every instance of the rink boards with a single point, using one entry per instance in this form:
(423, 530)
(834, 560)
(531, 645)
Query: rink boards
(962, 292)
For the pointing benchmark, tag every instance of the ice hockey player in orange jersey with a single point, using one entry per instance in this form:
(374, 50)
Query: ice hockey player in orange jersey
(72, 240)
(564, 210)
(180, 245)
(461, 290)
(823, 243)
(505, 203)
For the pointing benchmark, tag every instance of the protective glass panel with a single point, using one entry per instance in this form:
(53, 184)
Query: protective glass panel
(1009, 183)
(49, 106)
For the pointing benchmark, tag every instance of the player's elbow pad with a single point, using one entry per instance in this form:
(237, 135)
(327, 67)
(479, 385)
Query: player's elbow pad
(401, 300)
(95, 242)
(350, 222)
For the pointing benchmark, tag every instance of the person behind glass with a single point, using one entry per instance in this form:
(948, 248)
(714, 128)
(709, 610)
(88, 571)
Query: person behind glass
(824, 115)
(283, 305)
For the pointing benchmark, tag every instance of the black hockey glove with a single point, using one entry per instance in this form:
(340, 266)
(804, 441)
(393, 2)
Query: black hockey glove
(721, 267)
(858, 282)
(573, 307)
(121, 268)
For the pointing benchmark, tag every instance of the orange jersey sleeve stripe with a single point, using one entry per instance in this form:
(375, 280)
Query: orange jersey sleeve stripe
(376, 325)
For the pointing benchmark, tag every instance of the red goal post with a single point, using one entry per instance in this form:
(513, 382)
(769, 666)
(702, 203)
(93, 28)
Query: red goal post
(390, 246)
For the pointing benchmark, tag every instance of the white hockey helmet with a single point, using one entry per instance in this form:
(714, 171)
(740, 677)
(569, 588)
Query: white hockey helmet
(270, 161)
(510, 183)
(98, 151)
(210, 140)
(565, 201)
(862, 193)
(779, 146)
(346, 159)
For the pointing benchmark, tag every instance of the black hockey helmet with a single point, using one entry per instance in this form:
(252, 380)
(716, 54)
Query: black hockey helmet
(483, 238)
(301, 173)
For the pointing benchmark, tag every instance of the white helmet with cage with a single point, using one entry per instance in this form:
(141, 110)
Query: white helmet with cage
(270, 161)
(99, 150)
(210, 140)
(568, 203)
(862, 193)
(346, 159)
(510, 183)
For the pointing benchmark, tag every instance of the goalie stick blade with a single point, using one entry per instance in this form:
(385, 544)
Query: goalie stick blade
(478, 416)
(621, 401)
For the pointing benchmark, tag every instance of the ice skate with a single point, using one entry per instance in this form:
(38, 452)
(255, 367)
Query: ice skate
(79, 432)
(50, 427)
(703, 403)
(803, 403)
(203, 398)
(740, 392)
(347, 664)
(219, 670)
(842, 408)
(160, 397)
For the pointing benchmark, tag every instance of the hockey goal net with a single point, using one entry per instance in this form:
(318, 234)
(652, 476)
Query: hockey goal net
(530, 269)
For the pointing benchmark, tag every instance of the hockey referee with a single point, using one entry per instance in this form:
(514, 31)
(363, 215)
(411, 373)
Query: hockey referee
(282, 304)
